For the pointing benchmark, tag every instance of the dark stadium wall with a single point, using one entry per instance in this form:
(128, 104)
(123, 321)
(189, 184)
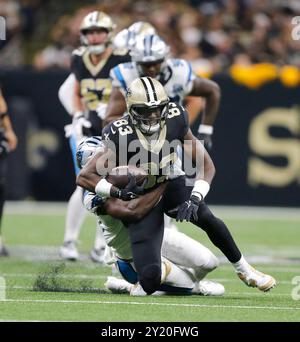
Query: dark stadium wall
(256, 141)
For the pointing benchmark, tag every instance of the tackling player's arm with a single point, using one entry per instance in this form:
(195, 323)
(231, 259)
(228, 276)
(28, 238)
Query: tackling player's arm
(136, 209)
(116, 106)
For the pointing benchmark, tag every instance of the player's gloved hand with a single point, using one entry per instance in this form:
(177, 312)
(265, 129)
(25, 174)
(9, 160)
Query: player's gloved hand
(101, 110)
(131, 191)
(188, 210)
(79, 124)
(205, 134)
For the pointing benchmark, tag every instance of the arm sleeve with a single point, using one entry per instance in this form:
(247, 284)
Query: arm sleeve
(65, 94)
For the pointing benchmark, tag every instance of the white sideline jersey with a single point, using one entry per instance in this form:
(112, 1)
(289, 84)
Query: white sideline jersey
(65, 93)
(177, 78)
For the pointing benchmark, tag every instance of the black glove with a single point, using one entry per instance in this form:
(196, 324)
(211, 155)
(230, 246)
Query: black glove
(188, 210)
(131, 191)
(207, 138)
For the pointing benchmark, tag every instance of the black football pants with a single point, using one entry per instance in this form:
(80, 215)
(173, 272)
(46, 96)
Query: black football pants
(147, 234)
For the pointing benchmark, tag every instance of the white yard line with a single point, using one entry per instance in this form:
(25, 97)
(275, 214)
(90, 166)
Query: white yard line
(49, 301)
(236, 212)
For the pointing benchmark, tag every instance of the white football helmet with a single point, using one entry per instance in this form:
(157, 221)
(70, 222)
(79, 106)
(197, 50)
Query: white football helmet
(87, 149)
(150, 48)
(126, 38)
(147, 104)
(96, 20)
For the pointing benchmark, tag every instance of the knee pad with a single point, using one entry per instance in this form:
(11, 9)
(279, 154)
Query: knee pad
(150, 278)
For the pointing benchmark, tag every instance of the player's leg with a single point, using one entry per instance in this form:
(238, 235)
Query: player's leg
(220, 236)
(184, 251)
(97, 253)
(3, 250)
(146, 239)
(75, 215)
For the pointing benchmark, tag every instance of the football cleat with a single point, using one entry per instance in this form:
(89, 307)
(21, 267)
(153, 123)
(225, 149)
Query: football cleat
(116, 285)
(137, 290)
(97, 255)
(3, 251)
(254, 278)
(210, 288)
(69, 251)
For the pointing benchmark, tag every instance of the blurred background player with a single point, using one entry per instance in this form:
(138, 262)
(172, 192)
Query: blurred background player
(185, 261)
(8, 143)
(90, 87)
(150, 57)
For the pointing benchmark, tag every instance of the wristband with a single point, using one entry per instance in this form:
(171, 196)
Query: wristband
(200, 189)
(206, 129)
(103, 188)
(78, 114)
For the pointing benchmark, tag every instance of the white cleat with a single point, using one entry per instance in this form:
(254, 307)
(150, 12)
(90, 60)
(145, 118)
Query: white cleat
(137, 290)
(97, 255)
(116, 285)
(69, 251)
(210, 288)
(254, 278)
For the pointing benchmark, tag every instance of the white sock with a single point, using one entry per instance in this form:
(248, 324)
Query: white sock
(241, 266)
(99, 238)
(75, 215)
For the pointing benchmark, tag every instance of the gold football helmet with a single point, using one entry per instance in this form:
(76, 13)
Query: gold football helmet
(147, 104)
(96, 20)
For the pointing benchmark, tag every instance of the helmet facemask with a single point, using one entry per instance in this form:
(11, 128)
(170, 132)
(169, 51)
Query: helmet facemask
(149, 119)
(96, 21)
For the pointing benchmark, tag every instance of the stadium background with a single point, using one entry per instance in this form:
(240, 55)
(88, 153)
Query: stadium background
(245, 46)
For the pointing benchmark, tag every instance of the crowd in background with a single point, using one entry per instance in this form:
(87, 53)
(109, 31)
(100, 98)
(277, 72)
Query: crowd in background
(214, 35)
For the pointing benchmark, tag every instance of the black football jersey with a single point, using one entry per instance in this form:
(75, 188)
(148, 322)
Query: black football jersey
(95, 84)
(157, 156)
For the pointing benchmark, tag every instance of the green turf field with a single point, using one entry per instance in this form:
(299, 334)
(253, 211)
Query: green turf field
(39, 287)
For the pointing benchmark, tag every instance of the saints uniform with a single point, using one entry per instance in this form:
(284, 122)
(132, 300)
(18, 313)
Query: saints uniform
(95, 84)
(176, 76)
(160, 156)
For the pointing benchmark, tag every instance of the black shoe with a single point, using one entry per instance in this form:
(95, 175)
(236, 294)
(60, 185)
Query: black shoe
(3, 251)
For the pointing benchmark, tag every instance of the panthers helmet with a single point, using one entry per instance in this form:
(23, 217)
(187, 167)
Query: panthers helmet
(147, 104)
(87, 149)
(96, 20)
(126, 38)
(149, 49)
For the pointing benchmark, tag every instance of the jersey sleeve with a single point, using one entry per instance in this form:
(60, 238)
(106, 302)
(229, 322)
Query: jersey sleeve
(117, 78)
(185, 121)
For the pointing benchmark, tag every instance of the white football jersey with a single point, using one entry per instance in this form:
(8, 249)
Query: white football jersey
(177, 78)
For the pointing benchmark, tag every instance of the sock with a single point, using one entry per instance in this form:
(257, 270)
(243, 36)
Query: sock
(99, 238)
(75, 215)
(241, 266)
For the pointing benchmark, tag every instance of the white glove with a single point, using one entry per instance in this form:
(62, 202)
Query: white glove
(78, 124)
(101, 110)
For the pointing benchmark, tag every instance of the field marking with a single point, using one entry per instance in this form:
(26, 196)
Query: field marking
(236, 212)
(49, 301)
(251, 294)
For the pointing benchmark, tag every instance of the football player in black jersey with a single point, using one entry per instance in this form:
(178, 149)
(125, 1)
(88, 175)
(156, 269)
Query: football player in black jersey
(90, 66)
(151, 125)
(8, 142)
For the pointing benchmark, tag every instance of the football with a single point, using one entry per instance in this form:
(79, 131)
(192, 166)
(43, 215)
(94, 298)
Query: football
(119, 175)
